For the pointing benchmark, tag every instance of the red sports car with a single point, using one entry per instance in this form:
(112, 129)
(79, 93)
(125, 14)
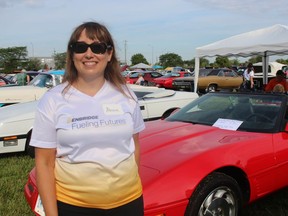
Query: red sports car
(212, 157)
(148, 76)
(166, 80)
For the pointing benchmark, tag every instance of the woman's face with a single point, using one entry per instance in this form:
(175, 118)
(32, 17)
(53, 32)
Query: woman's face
(89, 64)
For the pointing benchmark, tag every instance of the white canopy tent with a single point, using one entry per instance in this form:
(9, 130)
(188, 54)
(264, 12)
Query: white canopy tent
(265, 42)
(141, 66)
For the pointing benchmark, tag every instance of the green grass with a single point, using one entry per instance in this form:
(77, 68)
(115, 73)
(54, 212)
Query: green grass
(16, 167)
(13, 176)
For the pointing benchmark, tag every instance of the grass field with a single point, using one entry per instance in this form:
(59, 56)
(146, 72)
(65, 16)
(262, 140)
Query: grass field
(15, 169)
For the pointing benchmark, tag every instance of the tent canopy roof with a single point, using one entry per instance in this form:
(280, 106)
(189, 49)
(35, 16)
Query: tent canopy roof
(141, 66)
(265, 42)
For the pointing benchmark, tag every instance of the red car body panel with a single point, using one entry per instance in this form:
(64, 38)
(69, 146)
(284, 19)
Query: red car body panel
(176, 156)
(148, 77)
(166, 82)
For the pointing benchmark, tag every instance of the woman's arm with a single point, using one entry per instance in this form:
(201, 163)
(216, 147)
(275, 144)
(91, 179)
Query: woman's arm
(45, 162)
(251, 78)
(137, 148)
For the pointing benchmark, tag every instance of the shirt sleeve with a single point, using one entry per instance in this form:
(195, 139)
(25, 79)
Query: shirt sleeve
(136, 115)
(138, 119)
(44, 130)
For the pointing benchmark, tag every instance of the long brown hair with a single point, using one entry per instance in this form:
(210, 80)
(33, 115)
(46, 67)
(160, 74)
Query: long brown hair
(94, 31)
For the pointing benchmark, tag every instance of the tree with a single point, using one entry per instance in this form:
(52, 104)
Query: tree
(60, 60)
(282, 61)
(138, 58)
(222, 61)
(255, 59)
(170, 60)
(13, 58)
(33, 64)
(204, 62)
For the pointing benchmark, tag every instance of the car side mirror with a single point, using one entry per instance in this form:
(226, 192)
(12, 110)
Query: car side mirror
(49, 84)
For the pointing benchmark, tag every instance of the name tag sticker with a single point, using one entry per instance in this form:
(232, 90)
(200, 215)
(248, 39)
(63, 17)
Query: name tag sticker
(112, 109)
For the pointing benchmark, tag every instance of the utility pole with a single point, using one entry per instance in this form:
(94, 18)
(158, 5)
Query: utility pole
(125, 49)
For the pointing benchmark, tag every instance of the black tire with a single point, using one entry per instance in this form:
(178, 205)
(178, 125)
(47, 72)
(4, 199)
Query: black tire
(212, 88)
(217, 195)
(30, 150)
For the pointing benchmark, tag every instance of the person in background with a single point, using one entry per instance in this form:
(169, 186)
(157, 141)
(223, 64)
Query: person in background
(278, 88)
(86, 134)
(248, 76)
(22, 78)
(140, 80)
(279, 79)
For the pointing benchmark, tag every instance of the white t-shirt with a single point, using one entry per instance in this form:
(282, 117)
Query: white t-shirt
(94, 143)
(248, 75)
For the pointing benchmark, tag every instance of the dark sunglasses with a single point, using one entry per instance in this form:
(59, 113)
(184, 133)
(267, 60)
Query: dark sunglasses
(97, 48)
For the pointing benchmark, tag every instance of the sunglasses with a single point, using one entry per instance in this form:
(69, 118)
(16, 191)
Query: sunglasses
(97, 48)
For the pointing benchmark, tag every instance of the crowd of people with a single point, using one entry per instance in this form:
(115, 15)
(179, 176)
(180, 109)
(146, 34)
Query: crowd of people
(275, 85)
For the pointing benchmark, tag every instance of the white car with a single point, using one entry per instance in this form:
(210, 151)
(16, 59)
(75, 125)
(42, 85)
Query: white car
(37, 87)
(16, 121)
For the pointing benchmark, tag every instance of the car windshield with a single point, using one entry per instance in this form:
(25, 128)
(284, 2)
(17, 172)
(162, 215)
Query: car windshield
(256, 112)
(44, 80)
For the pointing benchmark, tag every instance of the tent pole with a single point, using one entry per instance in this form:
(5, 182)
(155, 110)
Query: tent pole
(196, 73)
(265, 63)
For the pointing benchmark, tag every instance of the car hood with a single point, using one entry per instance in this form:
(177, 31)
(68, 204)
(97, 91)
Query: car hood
(18, 112)
(179, 155)
(179, 142)
(19, 94)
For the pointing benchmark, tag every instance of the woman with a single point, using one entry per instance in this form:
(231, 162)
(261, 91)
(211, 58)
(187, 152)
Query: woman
(249, 77)
(86, 134)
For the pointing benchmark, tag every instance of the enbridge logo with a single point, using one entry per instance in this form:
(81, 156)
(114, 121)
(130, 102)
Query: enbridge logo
(85, 118)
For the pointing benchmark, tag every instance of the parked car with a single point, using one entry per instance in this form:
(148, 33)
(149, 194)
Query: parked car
(37, 87)
(16, 121)
(212, 157)
(166, 80)
(4, 81)
(148, 76)
(14, 81)
(215, 80)
(187, 83)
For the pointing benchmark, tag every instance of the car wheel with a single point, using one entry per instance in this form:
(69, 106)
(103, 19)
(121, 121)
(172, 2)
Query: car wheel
(211, 88)
(218, 194)
(30, 150)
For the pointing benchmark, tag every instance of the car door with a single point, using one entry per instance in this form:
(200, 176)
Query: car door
(232, 80)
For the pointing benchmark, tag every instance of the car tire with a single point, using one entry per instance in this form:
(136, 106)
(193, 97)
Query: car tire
(212, 88)
(217, 194)
(30, 150)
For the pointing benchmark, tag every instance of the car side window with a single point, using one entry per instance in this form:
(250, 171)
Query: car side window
(221, 73)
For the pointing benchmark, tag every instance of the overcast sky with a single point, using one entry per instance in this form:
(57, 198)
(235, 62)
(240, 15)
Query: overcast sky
(149, 27)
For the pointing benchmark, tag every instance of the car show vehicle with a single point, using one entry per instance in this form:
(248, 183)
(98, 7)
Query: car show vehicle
(166, 80)
(36, 88)
(148, 76)
(215, 80)
(4, 81)
(217, 154)
(16, 121)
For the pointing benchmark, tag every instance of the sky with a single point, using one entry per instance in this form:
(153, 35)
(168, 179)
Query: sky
(149, 27)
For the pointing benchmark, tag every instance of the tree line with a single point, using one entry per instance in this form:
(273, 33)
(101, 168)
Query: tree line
(16, 58)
